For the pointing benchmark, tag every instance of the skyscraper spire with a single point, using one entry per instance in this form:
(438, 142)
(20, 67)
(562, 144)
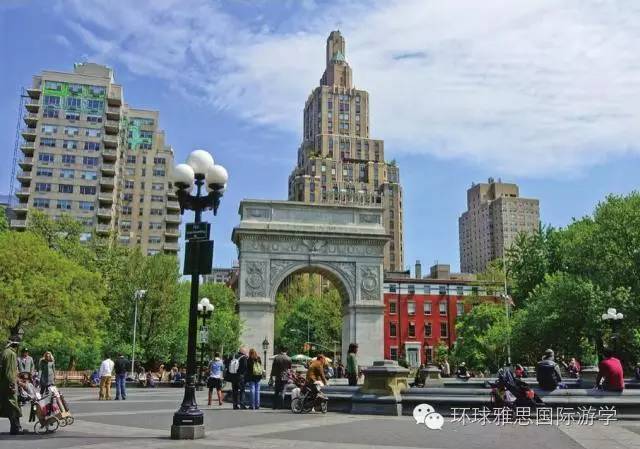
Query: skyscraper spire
(337, 71)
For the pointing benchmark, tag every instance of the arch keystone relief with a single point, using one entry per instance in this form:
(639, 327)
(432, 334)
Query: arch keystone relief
(278, 238)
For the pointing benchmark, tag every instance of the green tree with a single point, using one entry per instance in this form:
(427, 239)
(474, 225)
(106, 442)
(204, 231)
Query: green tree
(224, 326)
(4, 223)
(55, 300)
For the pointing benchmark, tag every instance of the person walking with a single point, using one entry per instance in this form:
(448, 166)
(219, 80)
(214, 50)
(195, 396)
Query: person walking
(610, 373)
(47, 371)
(254, 375)
(9, 406)
(26, 365)
(446, 368)
(281, 364)
(216, 368)
(353, 371)
(120, 367)
(237, 372)
(548, 372)
(105, 372)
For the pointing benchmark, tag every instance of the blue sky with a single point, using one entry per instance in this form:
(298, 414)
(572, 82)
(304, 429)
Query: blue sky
(542, 93)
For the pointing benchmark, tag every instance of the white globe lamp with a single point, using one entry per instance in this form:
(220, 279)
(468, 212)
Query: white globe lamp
(183, 176)
(201, 161)
(217, 177)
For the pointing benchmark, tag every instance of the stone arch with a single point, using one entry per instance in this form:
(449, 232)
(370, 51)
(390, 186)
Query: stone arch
(344, 243)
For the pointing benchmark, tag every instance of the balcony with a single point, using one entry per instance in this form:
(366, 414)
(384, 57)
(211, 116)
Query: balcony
(173, 205)
(109, 154)
(172, 233)
(26, 163)
(29, 134)
(108, 169)
(107, 182)
(112, 126)
(23, 192)
(172, 194)
(113, 112)
(34, 92)
(109, 141)
(31, 119)
(28, 148)
(32, 106)
(172, 218)
(25, 177)
(104, 212)
(173, 247)
(105, 197)
(103, 229)
(19, 224)
(20, 208)
(114, 96)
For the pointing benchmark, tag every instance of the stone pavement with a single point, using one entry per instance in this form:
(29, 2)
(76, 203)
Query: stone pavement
(144, 419)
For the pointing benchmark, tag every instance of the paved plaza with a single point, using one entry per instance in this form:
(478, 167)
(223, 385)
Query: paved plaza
(143, 421)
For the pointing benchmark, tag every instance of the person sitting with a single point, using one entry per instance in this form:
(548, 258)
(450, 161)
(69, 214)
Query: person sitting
(574, 368)
(315, 374)
(151, 380)
(462, 372)
(520, 372)
(610, 376)
(94, 378)
(548, 372)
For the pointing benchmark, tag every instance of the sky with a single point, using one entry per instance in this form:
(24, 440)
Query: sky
(544, 93)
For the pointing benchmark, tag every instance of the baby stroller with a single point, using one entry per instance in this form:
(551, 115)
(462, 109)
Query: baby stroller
(49, 411)
(511, 392)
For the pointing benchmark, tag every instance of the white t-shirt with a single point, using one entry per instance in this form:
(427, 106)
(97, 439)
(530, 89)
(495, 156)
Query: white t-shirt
(106, 368)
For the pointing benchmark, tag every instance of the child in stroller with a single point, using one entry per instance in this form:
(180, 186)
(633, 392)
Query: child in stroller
(49, 411)
(508, 391)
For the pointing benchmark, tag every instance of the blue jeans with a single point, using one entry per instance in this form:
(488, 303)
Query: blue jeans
(254, 388)
(121, 389)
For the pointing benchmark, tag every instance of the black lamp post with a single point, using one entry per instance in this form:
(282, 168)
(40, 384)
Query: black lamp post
(265, 348)
(205, 310)
(199, 170)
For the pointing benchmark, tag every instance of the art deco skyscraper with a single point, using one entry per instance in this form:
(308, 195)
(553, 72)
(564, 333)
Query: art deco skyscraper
(91, 156)
(337, 161)
(494, 217)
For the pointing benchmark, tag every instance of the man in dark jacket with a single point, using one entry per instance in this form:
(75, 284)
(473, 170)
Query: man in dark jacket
(548, 372)
(9, 407)
(281, 364)
(120, 367)
(237, 372)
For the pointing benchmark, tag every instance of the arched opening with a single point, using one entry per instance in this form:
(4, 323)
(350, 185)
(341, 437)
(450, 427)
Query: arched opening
(311, 304)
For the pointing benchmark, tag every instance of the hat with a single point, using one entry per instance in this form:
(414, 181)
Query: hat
(14, 340)
(25, 349)
(548, 353)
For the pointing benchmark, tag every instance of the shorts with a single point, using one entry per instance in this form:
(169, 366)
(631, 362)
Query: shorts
(214, 382)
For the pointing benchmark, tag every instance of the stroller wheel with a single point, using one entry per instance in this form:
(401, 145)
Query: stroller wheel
(46, 428)
(69, 420)
(323, 407)
(62, 422)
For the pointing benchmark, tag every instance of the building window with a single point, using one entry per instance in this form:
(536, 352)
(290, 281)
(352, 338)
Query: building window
(157, 186)
(91, 132)
(393, 330)
(443, 308)
(157, 212)
(126, 210)
(443, 289)
(427, 330)
(67, 173)
(89, 175)
(129, 184)
(393, 307)
(88, 190)
(70, 144)
(412, 330)
(41, 203)
(411, 308)
(428, 355)
(71, 130)
(46, 142)
(412, 288)
(74, 103)
(64, 204)
(45, 157)
(393, 353)
(92, 146)
(72, 116)
(427, 307)
(43, 187)
(459, 308)
(50, 112)
(154, 239)
(68, 159)
(90, 160)
(131, 159)
(94, 118)
(157, 172)
(49, 129)
(444, 330)
(51, 100)
(392, 288)
(159, 160)
(86, 205)
(44, 172)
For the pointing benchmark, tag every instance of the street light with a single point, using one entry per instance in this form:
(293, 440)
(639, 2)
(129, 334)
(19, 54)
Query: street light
(614, 317)
(200, 170)
(138, 295)
(265, 348)
(205, 310)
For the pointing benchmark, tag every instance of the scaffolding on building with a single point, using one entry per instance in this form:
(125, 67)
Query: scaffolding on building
(16, 148)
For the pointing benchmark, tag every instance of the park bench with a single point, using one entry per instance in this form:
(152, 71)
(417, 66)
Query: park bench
(74, 377)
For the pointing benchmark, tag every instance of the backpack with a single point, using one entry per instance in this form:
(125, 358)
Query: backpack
(234, 365)
(257, 368)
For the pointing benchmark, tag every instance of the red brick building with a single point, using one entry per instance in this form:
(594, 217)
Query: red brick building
(421, 313)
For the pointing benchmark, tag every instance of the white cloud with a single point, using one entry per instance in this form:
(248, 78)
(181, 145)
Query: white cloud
(524, 87)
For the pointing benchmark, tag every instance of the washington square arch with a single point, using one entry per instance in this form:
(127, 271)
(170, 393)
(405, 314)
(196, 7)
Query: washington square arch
(343, 243)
